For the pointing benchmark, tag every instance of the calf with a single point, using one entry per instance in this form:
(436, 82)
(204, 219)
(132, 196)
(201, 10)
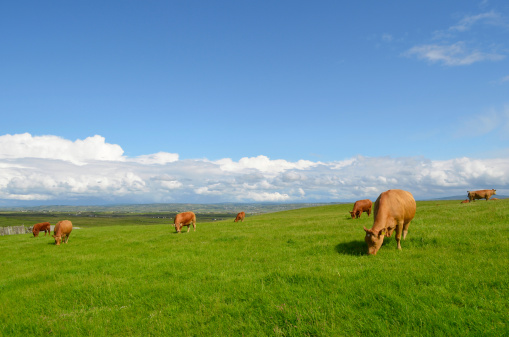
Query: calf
(466, 201)
(481, 194)
(394, 209)
(240, 217)
(361, 206)
(42, 226)
(185, 219)
(62, 231)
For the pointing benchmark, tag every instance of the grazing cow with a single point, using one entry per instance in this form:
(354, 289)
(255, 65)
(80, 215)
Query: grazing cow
(394, 209)
(361, 206)
(240, 217)
(62, 231)
(185, 219)
(466, 201)
(494, 199)
(42, 226)
(481, 194)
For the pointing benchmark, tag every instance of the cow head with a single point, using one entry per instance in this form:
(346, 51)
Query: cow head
(374, 239)
(35, 232)
(352, 214)
(178, 227)
(58, 239)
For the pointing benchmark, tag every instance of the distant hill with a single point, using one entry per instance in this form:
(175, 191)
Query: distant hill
(226, 208)
(232, 208)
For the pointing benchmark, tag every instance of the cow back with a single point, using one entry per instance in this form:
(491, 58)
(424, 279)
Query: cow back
(185, 218)
(394, 205)
(63, 227)
(240, 216)
(362, 205)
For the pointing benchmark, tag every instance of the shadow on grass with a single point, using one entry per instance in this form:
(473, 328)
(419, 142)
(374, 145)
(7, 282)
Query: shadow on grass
(356, 248)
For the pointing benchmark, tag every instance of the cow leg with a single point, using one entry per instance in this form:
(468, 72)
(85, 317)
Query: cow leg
(399, 230)
(67, 238)
(194, 226)
(405, 230)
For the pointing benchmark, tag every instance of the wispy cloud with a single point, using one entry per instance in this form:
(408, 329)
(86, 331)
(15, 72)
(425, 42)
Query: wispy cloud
(490, 121)
(65, 177)
(490, 18)
(451, 48)
(387, 38)
(456, 54)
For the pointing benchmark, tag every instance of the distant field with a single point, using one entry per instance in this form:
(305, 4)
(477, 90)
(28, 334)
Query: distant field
(101, 219)
(302, 272)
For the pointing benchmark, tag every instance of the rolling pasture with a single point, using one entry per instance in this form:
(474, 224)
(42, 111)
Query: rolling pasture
(302, 272)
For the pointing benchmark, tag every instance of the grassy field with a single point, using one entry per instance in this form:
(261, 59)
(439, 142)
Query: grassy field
(295, 273)
(101, 219)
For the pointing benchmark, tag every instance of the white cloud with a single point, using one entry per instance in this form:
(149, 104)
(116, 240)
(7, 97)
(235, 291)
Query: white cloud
(160, 158)
(250, 179)
(491, 18)
(266, 196)
(53, 147)
(456, 54)
(452, 50)
(263, 164)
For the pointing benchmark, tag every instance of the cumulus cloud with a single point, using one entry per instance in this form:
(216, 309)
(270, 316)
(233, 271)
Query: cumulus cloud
(53, 147)
(262, 164)
(64, 177)
(160, 158)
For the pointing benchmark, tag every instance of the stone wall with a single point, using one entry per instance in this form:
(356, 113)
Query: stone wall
(10, 230)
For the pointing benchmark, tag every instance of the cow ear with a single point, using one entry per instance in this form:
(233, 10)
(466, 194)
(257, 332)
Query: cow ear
(366, 230)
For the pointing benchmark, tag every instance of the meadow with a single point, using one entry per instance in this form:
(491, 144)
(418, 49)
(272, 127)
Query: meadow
(302, 272)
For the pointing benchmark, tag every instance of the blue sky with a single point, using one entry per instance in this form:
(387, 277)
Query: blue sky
(348, 88)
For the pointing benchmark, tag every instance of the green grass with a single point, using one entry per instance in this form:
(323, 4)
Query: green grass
(101, 219)
(295, 273)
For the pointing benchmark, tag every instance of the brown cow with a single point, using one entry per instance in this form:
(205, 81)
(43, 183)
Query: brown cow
(394, 209)
(481, 194)
(62, 231)
(361, 206)
(494, 199)
(240, 217)
(42, 226)
(466, 201)
(185, 219)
